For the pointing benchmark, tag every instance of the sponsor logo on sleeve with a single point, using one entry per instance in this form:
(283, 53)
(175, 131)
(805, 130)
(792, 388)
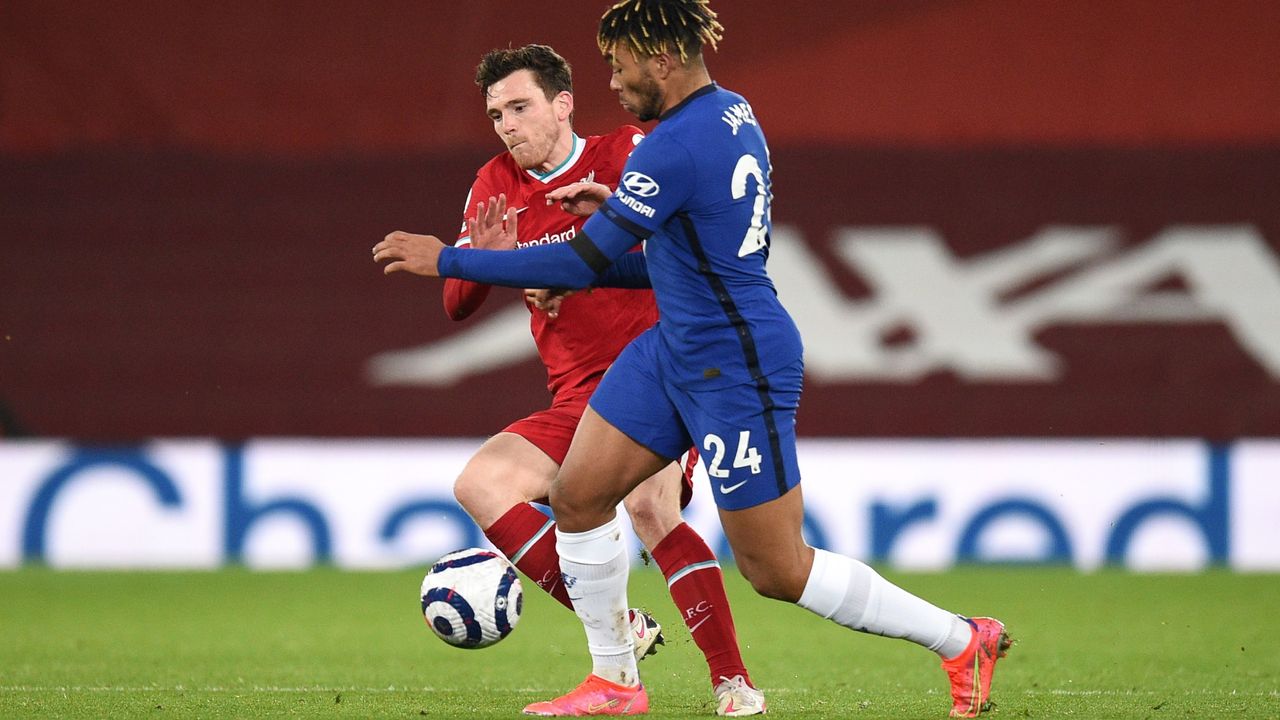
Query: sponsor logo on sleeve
(633, 203)
(640, 185)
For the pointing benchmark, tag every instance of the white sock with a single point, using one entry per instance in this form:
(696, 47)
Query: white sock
(855, 596)
(594, 565)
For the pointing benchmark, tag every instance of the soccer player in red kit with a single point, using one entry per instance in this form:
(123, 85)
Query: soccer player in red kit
(528, 97)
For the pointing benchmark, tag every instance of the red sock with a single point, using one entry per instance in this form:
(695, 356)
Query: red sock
(697, 587)
(528, 539)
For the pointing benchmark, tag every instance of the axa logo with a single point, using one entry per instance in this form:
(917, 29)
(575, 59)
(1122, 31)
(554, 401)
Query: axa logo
(640, 185)
(980, 316)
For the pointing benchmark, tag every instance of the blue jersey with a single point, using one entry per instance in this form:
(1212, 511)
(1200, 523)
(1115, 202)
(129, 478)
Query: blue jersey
(697, 192)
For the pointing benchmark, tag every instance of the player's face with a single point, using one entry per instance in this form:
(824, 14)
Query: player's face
(535, 130)
(633, 80)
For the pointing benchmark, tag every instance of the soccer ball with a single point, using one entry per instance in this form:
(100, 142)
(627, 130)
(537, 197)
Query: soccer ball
(472, 598)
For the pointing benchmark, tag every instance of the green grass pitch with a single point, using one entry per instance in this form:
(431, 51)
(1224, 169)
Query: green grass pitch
(331, 644)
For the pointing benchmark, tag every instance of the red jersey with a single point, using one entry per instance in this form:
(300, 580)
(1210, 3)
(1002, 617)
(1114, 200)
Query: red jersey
(594, 325)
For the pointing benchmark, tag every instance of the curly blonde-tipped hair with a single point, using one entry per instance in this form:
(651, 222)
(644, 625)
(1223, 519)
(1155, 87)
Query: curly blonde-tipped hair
(652, 27)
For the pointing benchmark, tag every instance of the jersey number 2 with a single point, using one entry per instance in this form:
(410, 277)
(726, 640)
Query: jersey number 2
(757, 237)
(747, 456)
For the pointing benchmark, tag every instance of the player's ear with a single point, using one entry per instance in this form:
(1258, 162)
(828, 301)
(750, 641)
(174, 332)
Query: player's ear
(564, 105)
(662, 64)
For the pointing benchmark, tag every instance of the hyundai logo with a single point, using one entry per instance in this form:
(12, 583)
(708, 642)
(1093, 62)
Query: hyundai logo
(640, 185)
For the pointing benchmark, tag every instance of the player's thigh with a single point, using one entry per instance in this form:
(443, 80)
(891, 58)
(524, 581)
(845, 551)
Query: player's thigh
(630, 431)
(746, 435)
(507, 470)
(602, 467)
(768, 545)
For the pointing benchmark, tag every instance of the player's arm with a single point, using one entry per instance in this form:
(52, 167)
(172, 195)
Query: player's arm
(584, 199)
(656, 181)
(629, 271)
(462, 297)
(608, 235)
(571, 265)
(490, 227)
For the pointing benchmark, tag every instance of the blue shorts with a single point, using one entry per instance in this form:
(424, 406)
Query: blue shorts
(746, 433)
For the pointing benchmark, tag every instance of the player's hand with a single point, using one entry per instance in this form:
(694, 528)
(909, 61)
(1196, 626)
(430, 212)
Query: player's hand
(418, 254)
(547, 301)
(580, 198)
(494, 227)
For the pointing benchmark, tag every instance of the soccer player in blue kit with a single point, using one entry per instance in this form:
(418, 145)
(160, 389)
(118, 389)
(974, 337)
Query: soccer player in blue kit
(722, 368)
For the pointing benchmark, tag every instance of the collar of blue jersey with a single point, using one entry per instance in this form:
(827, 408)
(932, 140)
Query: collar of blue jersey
(575, 152)
(704, 90)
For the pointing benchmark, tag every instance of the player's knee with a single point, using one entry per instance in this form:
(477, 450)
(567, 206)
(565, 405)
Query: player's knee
(566, 500)
(481, 491)
(471, 491)
(773, 581)
(652, 520)
(576, 506)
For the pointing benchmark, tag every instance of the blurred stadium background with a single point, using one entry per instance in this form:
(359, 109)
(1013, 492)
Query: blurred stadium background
(1034, 249)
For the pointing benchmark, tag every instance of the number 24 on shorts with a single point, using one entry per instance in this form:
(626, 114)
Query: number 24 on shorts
(745, 457)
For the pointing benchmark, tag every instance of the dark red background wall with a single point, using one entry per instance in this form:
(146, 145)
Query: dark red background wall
(188, 194)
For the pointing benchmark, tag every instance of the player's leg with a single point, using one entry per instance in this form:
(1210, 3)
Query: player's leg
(748, 432)
(762, 512)
(772, 554)
(604, 464)
(510, 472)
(767, 543)
(693, 575)
(602, 467)
(496, 488)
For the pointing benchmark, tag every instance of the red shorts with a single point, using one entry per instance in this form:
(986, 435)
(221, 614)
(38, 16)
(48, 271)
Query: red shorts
(551, 431)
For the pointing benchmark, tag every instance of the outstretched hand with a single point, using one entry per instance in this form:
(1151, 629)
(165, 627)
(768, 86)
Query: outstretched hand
(418, 254)
(580, 198)
(494, 227)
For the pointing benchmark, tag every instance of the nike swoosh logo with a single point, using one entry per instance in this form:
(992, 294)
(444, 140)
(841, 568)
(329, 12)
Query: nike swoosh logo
(726, 489)
(520, 210)
(602, 706)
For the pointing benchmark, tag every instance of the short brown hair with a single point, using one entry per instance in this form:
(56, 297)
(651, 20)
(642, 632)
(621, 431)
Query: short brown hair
(550, 71)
